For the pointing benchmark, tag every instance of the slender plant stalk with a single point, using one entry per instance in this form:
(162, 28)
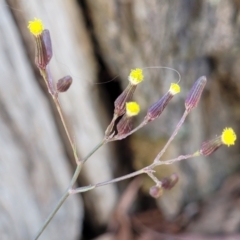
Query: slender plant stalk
(90, 187)
(48, 80)
(146, 170)
(68, 190)
(172, 136)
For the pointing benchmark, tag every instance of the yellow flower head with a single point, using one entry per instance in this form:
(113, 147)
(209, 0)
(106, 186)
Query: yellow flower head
(136, 76)
(36, 27)
(132, 109)
(228, 136)
(174, 88)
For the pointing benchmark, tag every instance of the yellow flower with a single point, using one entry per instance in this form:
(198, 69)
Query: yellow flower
(136, 76)
(132, 109)
(36, 27)
(174, 88)
(228, 137)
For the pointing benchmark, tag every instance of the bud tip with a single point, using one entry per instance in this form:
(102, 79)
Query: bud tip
(36, 27)
(174, 88)
(132, 109)
(228, 136)
(136, 76)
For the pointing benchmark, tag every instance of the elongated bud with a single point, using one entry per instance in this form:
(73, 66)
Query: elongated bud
(43, 44)
(195, 93)
(210, 146)
(169, 182)
(228, 138)
(64, 84)
(125, 124)
(120, 102)
(157, 108)
(155, 191)
(43, 49)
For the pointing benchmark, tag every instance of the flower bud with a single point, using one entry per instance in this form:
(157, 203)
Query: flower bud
(43, 45)
(157, 108)
(210, 146)
(169, 182)
(155, 191)
(195, 93)
(43, 49)
(125, 96)
(64, 84)
(228, 138)
(125, 124)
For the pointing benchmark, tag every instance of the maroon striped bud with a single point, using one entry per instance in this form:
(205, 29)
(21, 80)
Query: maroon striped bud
(43, 49)
(195, 93)
(210, 146)
(157, 108)
(155, 191)
(120, 102)
(64, 84)
(125, 125)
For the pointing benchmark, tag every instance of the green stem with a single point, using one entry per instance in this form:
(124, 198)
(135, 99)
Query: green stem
(66, 193)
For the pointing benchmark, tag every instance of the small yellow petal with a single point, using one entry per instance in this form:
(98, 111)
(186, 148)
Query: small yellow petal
(174, 88)
(136, 76)
(132, 109)
(228, 137)
(36, 27)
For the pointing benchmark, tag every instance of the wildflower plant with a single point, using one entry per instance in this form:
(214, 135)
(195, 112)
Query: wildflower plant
(121, 125)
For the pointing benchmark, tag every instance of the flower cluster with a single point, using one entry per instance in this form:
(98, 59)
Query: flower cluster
(121, 126)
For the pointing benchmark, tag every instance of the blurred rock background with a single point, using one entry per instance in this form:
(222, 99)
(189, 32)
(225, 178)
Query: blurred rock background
(94, 41)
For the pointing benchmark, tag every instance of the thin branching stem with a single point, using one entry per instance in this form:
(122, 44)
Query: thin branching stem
(92, 186)
(147, 170)
(48, 80)
(68, 190)
(172, 136)
(51, 89)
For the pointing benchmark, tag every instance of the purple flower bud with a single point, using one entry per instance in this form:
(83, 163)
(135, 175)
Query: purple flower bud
(64, 84)
(155, 191)
(169, 182)
(125, 125)
(157, 108)
(195, 93)
(210, 146)
(43, 49)
(120, 102)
